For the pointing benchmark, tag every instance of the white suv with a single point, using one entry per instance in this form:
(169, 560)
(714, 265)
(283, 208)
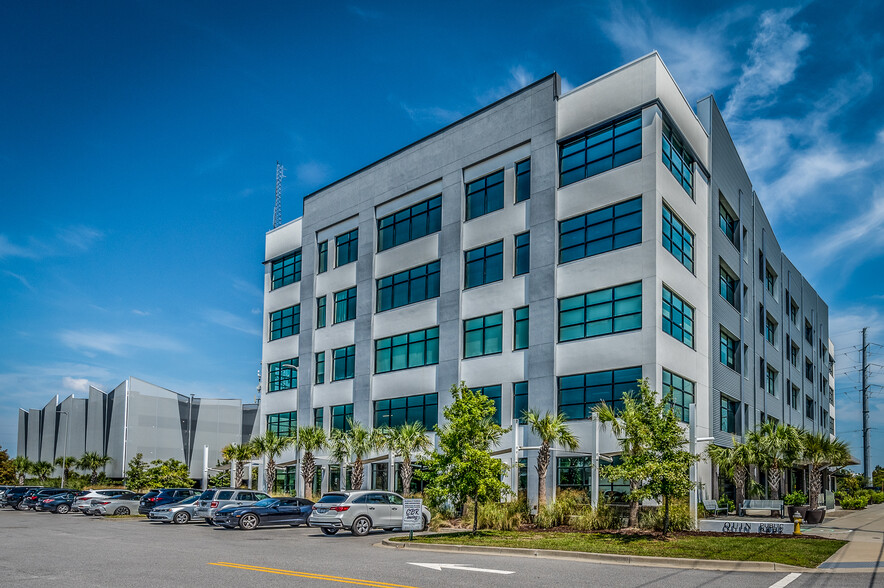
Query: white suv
(81, 503)
(214, 498)
(360, 511)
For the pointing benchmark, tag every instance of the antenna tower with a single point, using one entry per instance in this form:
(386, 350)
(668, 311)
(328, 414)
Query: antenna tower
(277, 206)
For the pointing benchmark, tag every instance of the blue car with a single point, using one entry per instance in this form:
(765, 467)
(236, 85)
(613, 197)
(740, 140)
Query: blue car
(270, 511)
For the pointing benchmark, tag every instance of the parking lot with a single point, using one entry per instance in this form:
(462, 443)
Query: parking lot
(43, 549)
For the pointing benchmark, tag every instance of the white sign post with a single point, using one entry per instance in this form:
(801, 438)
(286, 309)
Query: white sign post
(412, 516)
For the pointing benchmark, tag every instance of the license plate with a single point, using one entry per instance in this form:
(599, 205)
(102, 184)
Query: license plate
(322, 510)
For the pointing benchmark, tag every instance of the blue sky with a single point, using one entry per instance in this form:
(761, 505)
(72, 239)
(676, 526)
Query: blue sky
(138, 145)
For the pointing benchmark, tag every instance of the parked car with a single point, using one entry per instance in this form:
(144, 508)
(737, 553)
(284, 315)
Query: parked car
(360, 511)
(180, 512)
(33, 498)
(165, 496)
(83, 502)
(14, 495)
(59, 503)
(216, 498)
(117, 505)
(270, 511)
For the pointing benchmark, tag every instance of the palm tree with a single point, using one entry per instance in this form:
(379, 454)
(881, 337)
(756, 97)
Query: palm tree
(270, 445)
(66, 464)
(42, 469)
(92, 461)
(361, 442)
(239, 454)
(819, 451)
(22, 466)
(776, 447)
(404, 441)
(339, 446)
(310, 439)
(551, 429)
(734, 462)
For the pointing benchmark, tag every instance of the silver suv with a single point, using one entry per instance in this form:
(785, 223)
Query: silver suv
(360, 511)
(214, 498)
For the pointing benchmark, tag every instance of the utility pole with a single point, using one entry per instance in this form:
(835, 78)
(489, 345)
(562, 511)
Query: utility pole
(277, 207)
(867, 446)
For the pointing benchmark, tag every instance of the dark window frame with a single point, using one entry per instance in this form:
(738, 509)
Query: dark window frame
(282, 378)
(522, 253)
(521, 320)
(680, 318)
(486, 327)
(392, 412)
(285, 270)
(345, 305)
(588, 303)
(680, 239)
(584, 229)
(424, 342)
(348, 244)
(600, 149)
(410, 223)
(523, 180)
(489, 261)
(408, 283)
(606, 386)
(346, 359)
(285, 322)
(489, 188)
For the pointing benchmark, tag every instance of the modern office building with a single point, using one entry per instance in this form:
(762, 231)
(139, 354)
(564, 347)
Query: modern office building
(135, 417)
(549, 250)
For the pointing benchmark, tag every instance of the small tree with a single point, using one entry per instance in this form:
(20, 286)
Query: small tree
(734, 463)
(361, 442)
(339, 450)
(91, 462)
(66, 464)
(270, 446)
(239, 454)
(137, 478)
(42, 469)
(878, 477)
(170, 473)
(551, 429)
(819, 451)
(404, 441)
(464, 467)
(22, 467)
(310, 439)
(775, 447)
(7, 469)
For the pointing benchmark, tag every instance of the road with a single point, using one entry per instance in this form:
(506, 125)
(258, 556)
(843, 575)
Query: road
(43, 549)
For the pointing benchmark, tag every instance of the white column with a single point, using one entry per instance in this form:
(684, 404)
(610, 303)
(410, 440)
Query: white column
(595, 462)
(391, 472)
(205, 466)
(232, 471)
(692, 428)
(514, 470)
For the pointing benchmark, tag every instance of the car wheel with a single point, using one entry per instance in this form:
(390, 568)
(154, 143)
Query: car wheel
(181, 517)
(62, 509)
(361, 527)
(328, 530)
(20, 506)
(123, 510)
(210, 522)
(426, 524)
(248, 522)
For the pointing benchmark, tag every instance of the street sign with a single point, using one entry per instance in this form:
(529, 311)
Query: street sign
(412, 517)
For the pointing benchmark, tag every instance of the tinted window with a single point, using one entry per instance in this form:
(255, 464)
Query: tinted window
(225, 495)
(332, 498)
(359, 499)
(394, 498)
(260, 496)
(268, 502)
(245, 496)
(377, 499)
(207, 495)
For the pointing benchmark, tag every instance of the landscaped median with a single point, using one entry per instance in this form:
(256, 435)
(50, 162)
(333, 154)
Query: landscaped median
(806, 552)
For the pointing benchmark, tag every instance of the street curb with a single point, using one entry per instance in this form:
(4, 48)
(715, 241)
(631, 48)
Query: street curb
(606, 558)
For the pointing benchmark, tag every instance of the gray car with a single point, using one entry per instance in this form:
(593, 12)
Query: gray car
(214, 498)
(360, 511)
(180, 512)
(123, 504)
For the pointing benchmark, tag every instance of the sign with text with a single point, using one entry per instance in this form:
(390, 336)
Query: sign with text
(747, 527)
(412, 517)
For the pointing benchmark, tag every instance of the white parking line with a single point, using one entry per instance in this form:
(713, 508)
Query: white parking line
(786, 581)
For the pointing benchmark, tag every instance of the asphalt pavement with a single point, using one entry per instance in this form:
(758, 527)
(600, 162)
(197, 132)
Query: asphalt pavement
(44, 549)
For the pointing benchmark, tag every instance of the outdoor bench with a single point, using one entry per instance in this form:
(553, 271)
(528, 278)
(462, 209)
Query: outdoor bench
(711, 506)
(771, 505)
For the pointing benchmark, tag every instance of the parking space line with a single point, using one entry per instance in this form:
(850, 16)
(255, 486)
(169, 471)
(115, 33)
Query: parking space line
(308, 575)
(785, 581)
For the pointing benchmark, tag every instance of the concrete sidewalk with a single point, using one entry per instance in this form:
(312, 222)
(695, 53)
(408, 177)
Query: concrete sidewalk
(864, 529)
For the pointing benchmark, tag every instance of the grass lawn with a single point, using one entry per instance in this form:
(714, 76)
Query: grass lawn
(804, 552)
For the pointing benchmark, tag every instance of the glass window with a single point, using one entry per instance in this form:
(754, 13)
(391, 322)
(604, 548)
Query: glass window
(580, 393)
(414, 285)
(729, 414)
(520, 328)
(344, 363)
(606, 229)
(729, 351)
(677, 159)
(728, 286)
(600, 149)
(520, 401)
(770, 330)
(485, 195)
(522, 264)
(410, 223)
(341, 417)
(793, 357)
(678, 318)
(346, 248)
(808, 332)
(483, 265)
(285, 322)
(317, 417)
(393, 412)
(796, 395)
(808, 369)
(603, 312)
(809, 407)
(345, 305)
(320, 367)
(678, 239)
(282, 378)
(283, 424)
(771, 381)
(523, 180)
(793, 312)
(410, 350)
(770, 280)
(727, 223)
(323, 257)
(483, 335)
(286, 270)
(320, 312)
(492, 392)
(575, 473)
(682, 391)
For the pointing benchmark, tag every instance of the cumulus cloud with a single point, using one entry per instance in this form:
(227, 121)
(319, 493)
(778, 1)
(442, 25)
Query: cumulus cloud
(75, 384)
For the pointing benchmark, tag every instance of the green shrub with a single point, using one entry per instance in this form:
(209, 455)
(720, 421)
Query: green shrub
(730, 504)
(566, 504)
(604, 516)
(497, 516)
(680, 518)
(797, 498)
(854, 502)
(876, 497)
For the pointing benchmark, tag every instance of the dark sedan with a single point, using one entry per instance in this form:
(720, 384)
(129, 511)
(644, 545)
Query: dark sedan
(14, 496)
(34, 497)
(60, 503)
(270, 511)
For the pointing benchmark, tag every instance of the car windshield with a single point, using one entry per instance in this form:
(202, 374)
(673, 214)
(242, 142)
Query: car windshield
(267, 502)
(332, 498)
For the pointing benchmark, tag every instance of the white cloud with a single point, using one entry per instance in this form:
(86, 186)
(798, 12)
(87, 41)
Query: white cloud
(430, 115)
(856, 239)
(137, 312)
(80, 236)
(312, 173)
(232, 321)
(10, 249)
(122, 343)
(518, 77)
(24, 282)
(75, 384)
